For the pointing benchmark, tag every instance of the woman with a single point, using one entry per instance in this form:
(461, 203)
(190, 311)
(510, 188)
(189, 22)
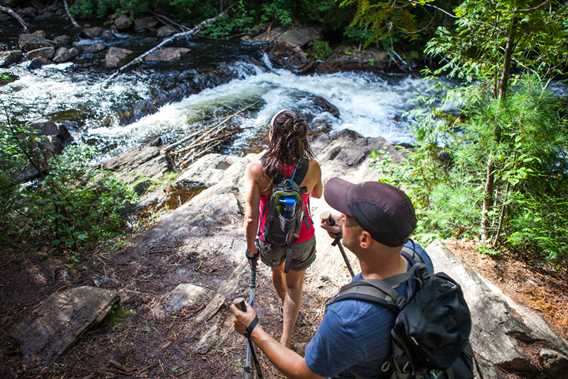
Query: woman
(287, 148)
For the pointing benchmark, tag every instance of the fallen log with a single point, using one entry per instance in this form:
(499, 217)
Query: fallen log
(14, 15)
(186, 34)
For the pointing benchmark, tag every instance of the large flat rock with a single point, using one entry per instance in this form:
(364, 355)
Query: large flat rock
(509, 338)
(58, 321)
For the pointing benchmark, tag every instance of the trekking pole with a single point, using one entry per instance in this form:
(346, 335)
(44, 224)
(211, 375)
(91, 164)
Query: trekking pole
(250, 354)
(337, 241)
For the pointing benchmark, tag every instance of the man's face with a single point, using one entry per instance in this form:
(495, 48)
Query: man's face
(351, 232)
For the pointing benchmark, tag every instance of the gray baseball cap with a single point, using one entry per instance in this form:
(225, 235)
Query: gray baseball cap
(381, 209)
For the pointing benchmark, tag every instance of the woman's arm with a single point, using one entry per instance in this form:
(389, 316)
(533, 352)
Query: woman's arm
(318, 188)
(251, 209)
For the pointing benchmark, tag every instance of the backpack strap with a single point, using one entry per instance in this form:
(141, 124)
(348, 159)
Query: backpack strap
(378, 291)
(300, 171)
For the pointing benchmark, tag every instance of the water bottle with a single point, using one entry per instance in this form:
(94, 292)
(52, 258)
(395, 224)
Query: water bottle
(288, 206)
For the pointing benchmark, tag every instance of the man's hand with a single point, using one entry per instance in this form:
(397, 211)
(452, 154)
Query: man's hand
(331, 224)
(242, 319)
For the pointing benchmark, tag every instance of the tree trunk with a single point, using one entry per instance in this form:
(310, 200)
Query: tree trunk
(487, 199)
(15, 15)
(509, 47)
(490, 170)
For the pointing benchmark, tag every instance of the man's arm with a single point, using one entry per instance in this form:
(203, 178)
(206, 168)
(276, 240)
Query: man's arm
(286, 360)
(251, 209)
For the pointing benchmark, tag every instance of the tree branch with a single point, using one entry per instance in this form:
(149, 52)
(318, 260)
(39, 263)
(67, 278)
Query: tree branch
(15, 15)
(75, 24)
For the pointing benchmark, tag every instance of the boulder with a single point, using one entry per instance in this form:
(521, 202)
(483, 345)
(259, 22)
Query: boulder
(123, 23)
(145, 24)
(288, 56)
(93, 32)
(93, 48)
(107, 35)
(59, 320)
(299, 36)
(62, 41)
(8, 58)
(38, 63)
(115, 56)
(509, 339)
(7, 78)
(348, 58)
(64, 54)
(186, 295)
(166, 31)
(33, 41)
(167, 54)
(43, 52)
(58, 136)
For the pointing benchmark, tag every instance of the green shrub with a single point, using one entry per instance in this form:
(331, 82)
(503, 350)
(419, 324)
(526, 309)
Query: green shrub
(74, 205)
(321, 49)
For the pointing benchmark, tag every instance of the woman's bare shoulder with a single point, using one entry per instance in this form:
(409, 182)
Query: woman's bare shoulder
(255, 169)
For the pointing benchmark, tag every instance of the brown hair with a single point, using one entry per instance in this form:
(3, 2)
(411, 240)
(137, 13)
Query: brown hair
(287, 144)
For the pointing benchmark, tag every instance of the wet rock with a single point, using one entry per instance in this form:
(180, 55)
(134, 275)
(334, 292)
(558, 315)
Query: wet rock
(8, 58)
(62, 41)
(44, 52)
(28, 12)
(33, 41)
(115, 56)
(506, 336)
(107, 35)
(64, 54)
(93, 32)
(288, 56)
(123, 23)
(38, 63)
(58, 136)
(4, 47)
(167, 54)
(352, 59)
(186, 295)
(93, 48)
(166, 31)
(326, 106)
(145, 24)
(53, 326)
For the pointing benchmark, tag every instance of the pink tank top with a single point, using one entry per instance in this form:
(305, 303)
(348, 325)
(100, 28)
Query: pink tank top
(307, 230)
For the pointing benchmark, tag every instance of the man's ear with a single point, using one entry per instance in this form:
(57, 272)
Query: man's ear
(365, 240)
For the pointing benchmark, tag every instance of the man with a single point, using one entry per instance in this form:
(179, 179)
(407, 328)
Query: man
(353, 339)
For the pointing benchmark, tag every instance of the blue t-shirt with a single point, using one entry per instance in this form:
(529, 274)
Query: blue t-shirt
(354, 336)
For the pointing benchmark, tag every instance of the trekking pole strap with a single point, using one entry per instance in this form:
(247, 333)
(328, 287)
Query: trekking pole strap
(251, 326)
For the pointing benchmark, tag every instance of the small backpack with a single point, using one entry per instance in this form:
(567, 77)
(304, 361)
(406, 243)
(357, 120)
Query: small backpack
(430, 336)
(285, 210)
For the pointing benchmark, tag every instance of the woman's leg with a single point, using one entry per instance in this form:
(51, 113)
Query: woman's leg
(279, 281)
(292, 301)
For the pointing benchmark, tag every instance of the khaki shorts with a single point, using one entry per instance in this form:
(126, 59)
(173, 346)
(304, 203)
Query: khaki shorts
(298, 257)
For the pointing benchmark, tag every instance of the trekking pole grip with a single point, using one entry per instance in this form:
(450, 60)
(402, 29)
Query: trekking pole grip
(240, 303)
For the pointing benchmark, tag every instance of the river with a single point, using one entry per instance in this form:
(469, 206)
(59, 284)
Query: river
(216, 80)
